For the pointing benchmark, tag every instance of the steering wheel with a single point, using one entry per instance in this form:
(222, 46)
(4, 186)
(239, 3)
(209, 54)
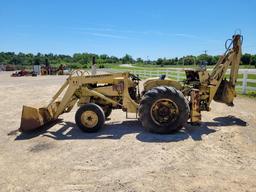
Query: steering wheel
(79, 73)
(135, 77)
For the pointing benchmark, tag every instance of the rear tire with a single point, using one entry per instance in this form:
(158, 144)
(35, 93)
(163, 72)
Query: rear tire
(163, 110)
(90, 117)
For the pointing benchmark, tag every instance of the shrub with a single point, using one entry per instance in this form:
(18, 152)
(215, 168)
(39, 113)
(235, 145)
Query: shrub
(101, 66)
(74, 66)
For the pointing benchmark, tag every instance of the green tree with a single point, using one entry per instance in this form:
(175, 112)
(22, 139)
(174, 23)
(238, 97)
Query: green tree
(127, 59)
(46, 62)
(139, 60)
(159, 61)
(36, 61)
(253, 60)
(246, 59)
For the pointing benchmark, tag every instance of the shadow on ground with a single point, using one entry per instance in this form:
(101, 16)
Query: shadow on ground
(117, 130)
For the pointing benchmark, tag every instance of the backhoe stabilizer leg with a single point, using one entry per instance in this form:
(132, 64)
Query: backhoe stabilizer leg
(195, 112)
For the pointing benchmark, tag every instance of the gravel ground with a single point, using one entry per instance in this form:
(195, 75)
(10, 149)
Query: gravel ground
(218, 155)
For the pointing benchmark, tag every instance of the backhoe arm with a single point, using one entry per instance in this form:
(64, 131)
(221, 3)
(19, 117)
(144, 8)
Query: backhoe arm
(214, 86)
(222, 90)
(236, 60)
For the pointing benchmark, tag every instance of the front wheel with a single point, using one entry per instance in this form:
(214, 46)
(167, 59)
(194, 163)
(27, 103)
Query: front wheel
(163, 110)
(90, 117)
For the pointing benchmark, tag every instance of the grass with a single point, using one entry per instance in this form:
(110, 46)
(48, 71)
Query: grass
(153, 69)
(250, 94)
(156, 67)
(146, 67)
(151, 66)
(138, 66)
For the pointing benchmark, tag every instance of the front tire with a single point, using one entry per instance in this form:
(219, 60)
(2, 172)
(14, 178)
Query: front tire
(90, 117)
(163, 110)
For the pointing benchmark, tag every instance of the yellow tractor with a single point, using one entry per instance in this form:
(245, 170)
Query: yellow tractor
(164, 105)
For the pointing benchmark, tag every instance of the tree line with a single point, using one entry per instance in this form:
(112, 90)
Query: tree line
(84, 60)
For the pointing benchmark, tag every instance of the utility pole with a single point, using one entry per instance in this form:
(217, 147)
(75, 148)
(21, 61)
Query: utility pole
(204, 63)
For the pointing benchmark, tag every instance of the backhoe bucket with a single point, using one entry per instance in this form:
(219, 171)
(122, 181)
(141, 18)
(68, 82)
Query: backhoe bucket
(33, 118)
(225, 93)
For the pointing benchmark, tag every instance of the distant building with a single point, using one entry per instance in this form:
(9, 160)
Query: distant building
(37, 69)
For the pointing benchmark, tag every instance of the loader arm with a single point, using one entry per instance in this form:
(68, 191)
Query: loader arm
(76, 88)
(73, 89)
(34, 117)
(68, 100)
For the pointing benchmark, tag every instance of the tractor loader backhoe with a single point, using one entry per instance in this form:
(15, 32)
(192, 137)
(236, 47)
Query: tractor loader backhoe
(164, 105)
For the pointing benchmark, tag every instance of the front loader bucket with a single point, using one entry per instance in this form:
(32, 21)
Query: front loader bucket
(33, 118)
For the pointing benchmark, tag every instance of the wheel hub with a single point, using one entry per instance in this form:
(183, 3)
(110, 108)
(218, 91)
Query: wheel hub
(89, 119)
(164, 111)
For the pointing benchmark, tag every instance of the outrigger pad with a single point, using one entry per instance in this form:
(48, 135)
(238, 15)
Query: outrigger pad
(33, 118)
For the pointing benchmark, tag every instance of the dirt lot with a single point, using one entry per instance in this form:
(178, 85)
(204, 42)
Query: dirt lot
(219, 155)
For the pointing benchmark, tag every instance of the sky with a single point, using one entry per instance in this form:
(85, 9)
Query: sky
(142, 28)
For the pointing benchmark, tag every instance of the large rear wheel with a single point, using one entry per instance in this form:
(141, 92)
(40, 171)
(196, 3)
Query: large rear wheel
(90, 117)
(163, 110)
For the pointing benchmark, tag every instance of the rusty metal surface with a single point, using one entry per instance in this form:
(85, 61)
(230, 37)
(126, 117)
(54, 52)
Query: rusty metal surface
(195, 106)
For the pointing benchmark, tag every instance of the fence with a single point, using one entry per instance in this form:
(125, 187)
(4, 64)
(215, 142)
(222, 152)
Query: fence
(246, 78)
